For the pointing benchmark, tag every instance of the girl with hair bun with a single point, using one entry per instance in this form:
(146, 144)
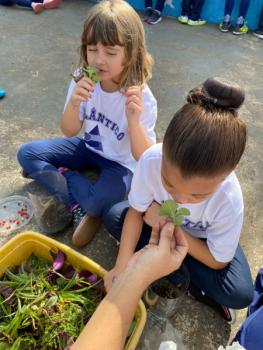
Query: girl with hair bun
(195, 166)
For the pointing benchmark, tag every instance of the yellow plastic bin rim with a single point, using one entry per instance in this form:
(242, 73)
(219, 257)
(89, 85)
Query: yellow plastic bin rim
(20, 247)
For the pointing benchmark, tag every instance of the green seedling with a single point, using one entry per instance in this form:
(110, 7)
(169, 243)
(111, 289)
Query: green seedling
(87, 71)
(91, 73)
(170, 209)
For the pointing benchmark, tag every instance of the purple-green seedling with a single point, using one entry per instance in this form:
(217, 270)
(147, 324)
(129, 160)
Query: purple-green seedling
(170, 209)
(86, 71)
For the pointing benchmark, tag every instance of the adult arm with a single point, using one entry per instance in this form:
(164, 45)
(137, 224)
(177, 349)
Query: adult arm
(108, 327)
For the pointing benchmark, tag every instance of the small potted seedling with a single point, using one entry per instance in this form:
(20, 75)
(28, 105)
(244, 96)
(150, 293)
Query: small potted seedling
(161, 295)
(86, 71)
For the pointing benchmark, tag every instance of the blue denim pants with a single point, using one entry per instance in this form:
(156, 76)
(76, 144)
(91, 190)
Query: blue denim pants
(41, 160)
(244, 4)
(231, 286)
(159, 4)
(192, 9)
(23, 3)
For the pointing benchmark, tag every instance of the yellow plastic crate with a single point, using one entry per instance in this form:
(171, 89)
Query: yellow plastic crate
(19, 248)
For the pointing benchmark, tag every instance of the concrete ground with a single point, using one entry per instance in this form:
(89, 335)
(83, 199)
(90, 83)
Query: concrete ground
(38, 53)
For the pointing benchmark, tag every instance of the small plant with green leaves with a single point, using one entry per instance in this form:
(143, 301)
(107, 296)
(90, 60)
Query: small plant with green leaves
(170, 208)
(86, 71)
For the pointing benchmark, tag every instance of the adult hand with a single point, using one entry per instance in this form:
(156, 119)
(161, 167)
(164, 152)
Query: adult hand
(111, 276)
(160, 257)
(82, 92)
(133, 104)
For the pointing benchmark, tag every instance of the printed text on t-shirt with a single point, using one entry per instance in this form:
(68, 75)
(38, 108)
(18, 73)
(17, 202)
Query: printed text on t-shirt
(101, 118)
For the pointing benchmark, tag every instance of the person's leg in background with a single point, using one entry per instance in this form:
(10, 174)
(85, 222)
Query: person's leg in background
(195, 13)
(37, 5)
(259, 31)
(226, 289)
(148, 5)
(226, 24)
(7, 2)
(156, 15)
(186, 9)
(241, 27)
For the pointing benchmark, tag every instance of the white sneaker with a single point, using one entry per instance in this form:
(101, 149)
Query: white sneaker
(199, 22)
(183, 19)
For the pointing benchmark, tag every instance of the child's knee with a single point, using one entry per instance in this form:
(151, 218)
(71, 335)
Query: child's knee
(113, 218)
(240, 297)
(245, 296)
(23, 152)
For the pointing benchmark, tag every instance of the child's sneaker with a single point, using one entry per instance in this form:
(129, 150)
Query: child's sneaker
(199, 22)
(147, 14)
(85, 227)
(225, 27)
(197, 294)
(183, 19)
(240, 29)
(155, 18)
(258, 34)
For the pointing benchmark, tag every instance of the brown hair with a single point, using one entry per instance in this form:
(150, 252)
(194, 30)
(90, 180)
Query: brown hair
(206, 136)
(115, 22)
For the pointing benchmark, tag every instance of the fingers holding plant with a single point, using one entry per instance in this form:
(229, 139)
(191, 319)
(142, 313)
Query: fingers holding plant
(82, 92)
(152, 217)
(160, 259)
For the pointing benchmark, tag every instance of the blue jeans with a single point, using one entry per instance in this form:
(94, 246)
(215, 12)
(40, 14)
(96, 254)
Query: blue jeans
(192, 9)
(231, 286)
(41, 160)
(23, 3)
(260, 23)
(244, 4)
(159, 4)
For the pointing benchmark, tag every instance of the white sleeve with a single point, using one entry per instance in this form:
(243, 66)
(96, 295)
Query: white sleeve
(140, 196)
(69, 93)
(223, 240)
(149, 114)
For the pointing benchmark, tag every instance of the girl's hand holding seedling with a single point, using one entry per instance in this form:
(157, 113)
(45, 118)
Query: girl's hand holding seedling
(86, 78)
(152, 217)
(133, 104)
(82, 92)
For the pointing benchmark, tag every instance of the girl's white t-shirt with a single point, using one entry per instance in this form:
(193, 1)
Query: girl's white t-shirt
(105, 123)
(218, 219)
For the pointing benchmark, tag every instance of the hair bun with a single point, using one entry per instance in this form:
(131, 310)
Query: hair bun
(217, 92)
